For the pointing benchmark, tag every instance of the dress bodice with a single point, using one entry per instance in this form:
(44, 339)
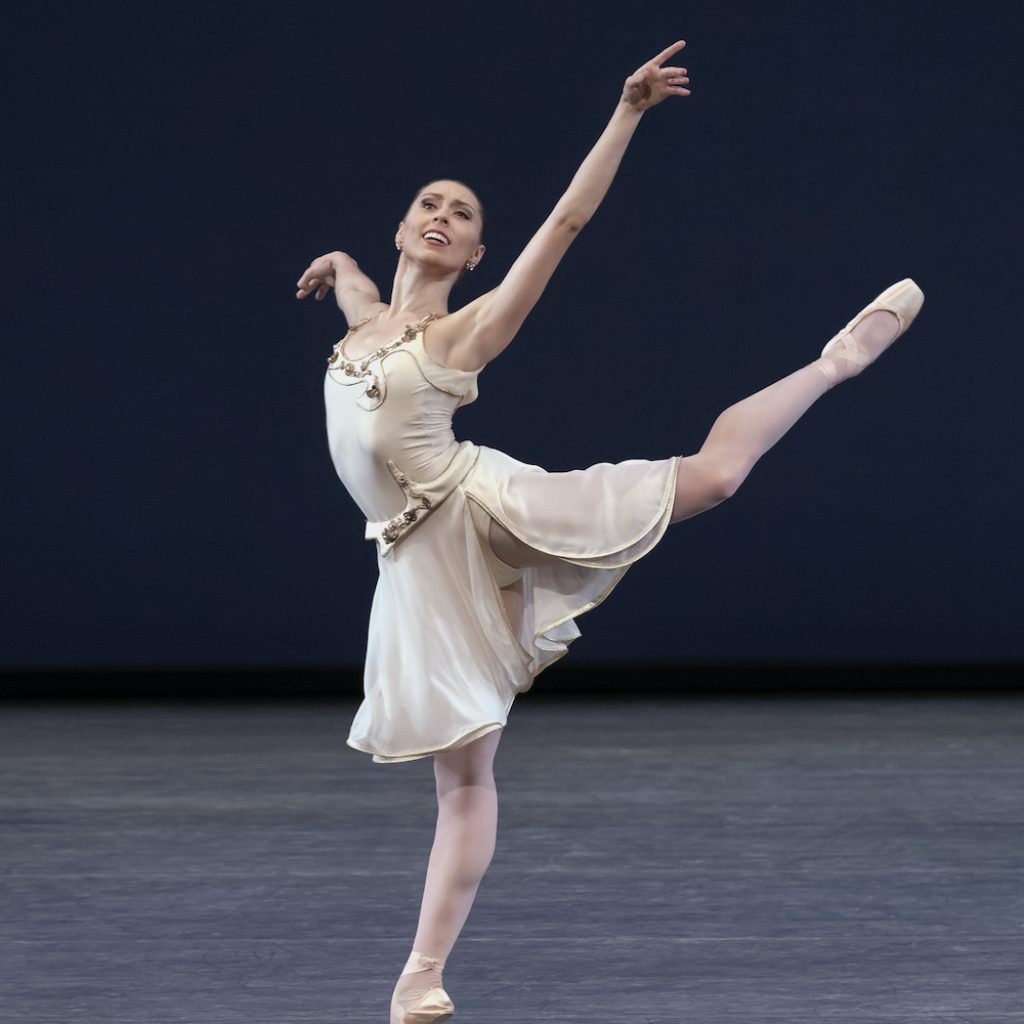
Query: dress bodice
(394, 404)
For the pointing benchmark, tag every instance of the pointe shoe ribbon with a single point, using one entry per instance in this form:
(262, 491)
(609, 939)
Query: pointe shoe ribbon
(421, 962)
(903, 299)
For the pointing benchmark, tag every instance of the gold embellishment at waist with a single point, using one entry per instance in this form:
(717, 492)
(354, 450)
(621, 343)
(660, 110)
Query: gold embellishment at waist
(421, 497)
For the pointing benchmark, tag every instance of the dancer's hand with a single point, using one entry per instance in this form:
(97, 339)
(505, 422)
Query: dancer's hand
(318, 276)
(651, 83)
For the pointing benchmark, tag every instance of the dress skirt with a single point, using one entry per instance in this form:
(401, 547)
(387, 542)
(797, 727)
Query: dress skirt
(444, 662)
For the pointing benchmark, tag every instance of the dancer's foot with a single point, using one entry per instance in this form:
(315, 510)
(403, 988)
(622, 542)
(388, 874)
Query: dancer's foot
(870, 332)
(418, 997)
(872, 336)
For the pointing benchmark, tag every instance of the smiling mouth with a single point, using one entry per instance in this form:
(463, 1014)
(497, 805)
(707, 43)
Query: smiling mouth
(437, 237)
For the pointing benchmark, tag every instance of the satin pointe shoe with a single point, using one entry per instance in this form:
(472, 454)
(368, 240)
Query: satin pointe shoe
(430, 1007)
(845, 356)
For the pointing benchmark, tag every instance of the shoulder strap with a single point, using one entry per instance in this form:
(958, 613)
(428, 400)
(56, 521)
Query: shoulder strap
(366, 319)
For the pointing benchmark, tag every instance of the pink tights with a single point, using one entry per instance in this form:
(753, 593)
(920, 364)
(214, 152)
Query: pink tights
(467, 823)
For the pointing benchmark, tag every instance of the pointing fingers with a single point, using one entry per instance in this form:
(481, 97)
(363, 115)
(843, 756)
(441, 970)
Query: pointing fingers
(668, 52)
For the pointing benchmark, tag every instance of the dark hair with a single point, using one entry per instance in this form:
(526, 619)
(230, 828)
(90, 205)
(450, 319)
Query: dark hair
(464, 185)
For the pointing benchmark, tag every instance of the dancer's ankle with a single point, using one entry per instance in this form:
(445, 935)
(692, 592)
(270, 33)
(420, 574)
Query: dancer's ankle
(853, 351)
(830, 370)
(421, 973)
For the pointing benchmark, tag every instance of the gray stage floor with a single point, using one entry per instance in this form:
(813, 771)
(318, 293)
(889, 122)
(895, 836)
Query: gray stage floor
(773, 859)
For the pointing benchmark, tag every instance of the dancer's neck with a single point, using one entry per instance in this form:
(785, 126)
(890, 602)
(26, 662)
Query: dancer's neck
(416, 293)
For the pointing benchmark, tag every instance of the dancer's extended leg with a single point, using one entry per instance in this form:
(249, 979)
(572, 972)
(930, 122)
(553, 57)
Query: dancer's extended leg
(748, 429)
(467, 820)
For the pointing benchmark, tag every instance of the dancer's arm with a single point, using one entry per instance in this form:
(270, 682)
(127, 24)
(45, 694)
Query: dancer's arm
(489, 323)
(356, 294)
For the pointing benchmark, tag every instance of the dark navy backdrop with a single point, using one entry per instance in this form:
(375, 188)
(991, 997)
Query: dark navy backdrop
(169, 498)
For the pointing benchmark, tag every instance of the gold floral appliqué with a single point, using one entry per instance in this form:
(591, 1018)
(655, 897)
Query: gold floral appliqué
(369, 368)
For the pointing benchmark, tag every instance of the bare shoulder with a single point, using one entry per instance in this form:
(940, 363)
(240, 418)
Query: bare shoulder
(453, 339)
(365, 311)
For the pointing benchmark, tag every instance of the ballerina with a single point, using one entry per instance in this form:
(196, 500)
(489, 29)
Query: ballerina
(484, 561)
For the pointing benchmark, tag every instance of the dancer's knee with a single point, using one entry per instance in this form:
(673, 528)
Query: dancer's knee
(727, 475)
(705, 480)
(468, 765)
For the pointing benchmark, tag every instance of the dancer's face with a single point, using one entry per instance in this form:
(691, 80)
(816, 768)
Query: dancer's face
(450, 210)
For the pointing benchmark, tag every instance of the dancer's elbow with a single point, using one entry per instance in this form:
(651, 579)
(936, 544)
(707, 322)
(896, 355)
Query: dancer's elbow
(571, 221)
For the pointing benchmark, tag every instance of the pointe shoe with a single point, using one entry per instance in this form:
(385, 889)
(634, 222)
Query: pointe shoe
(904, 299)
(433, 1006)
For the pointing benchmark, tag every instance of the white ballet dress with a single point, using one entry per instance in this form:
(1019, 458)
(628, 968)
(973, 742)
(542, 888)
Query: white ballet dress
(444, 662)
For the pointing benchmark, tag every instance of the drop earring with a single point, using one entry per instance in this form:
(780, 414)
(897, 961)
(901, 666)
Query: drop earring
(398, 245)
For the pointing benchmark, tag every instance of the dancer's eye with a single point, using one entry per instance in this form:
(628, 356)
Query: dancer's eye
(463, 214)
(426, 202)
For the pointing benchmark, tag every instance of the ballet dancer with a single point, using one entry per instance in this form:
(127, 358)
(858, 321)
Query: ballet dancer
(488, 559)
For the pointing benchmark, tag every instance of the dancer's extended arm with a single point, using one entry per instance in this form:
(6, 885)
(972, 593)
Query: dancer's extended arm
(490, 322)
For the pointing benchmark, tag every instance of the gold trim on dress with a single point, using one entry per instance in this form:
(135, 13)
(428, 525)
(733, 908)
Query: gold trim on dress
(421, 497)
(368, 368)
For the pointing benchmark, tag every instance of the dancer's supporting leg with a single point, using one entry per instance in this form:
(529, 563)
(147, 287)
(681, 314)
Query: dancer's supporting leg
(745, 431)
(467, 821)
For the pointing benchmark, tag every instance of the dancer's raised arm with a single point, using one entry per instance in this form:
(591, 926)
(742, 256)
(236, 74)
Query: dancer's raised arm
(490, 322)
